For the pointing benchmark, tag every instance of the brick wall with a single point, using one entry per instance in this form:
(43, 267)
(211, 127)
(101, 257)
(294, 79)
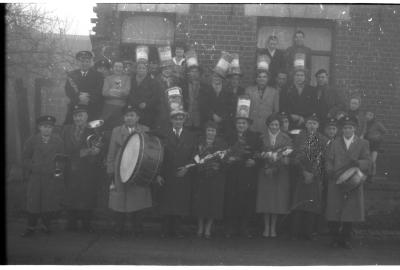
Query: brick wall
(367, 57)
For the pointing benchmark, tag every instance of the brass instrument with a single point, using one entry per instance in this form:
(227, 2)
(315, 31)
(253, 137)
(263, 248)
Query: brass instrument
(95, 140)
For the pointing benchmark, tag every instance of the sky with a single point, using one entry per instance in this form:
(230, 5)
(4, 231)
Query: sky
(78, 14)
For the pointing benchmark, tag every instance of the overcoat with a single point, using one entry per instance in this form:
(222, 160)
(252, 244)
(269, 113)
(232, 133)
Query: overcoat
(208, 188)
(273, 189)
(44, 191)
(339, 207)
(262, 106)
(240, 185)
(81, 182)
(304, 104)
(91, 83)
(175, 194)
(126, 197)
(145, 92)
(309, 157)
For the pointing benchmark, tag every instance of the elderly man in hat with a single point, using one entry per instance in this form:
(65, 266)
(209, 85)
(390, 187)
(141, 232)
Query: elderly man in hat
(344, 205)
(126, 199)
(84, 162)
(175, 178)
(301, 98)
(309, 154)
(241, 181)
(44, 190)
(264, 98)
(84, 87)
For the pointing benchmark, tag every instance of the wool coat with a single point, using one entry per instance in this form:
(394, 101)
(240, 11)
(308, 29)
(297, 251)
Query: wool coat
(341, 206)
(44, 191)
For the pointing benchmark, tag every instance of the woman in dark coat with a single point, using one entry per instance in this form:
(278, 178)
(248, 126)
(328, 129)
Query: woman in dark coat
(84, 161)
(240, 185)
(144, 95)
(208, 190)
(44, 190)
(175, 179)
(273, 178)
(309, 154)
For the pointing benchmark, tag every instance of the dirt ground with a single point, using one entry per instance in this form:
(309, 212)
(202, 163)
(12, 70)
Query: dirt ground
(63, 247)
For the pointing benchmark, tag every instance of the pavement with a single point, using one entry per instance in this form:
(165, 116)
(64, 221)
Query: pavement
(77, 248)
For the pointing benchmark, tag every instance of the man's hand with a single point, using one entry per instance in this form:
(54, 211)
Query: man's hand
(159, 180)
(181, 172)
(142, 105)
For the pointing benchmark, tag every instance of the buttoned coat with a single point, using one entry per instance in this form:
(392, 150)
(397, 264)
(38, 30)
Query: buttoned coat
(262, 106)
(44, 191)
(126, 197)
(339, 207)
(175, 194)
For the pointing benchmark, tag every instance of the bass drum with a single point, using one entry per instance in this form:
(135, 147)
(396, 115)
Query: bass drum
(140, 159)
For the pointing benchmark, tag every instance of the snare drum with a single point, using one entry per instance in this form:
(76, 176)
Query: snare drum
(140, 159)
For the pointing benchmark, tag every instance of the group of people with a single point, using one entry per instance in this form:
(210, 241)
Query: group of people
(275, 148)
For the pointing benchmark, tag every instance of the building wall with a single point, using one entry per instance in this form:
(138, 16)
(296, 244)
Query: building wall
(366, 53)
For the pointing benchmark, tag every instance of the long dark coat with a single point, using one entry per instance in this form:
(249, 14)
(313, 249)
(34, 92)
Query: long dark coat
(273, 189)
(92, 83)
(241, 181)
(44, 191)
(81, 182)
(338, 207)
(308, 197)
(175, 194)
(328, 102)
(304, 104)
(146, 92)
(208, 188)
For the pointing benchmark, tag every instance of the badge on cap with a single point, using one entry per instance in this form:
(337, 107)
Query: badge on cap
(165, 56)
(299, 60)
(243, 107)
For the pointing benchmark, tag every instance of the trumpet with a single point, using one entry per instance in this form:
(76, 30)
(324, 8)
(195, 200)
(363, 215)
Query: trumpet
(95, 140)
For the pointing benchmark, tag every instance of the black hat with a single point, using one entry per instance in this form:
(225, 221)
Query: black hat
(131, 108)
(84, 55)
(102, 63)
(283, 115)
(271, 118)
(80, 108)
(46, 119)
(349, 120)
(331, 122)
(312, 117)
(320, 72)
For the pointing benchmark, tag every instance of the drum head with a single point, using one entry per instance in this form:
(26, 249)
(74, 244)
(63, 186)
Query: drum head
(129, 158)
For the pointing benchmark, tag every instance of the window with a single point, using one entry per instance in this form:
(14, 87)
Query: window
(318, 37)
(153, 30)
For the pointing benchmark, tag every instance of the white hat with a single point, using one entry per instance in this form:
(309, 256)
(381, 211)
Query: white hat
(165, 56)
(142, 54)
(191, 59)
(299, 60)
(223, 64)
(243, 107)
(263, 62)
(234, 68)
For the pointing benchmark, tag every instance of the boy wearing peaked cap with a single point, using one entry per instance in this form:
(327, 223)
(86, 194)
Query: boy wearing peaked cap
(44, 187)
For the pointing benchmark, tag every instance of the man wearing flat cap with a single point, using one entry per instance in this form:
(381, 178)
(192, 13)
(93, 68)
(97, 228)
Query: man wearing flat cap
(345, 207)
(84, 87)
(44, 188)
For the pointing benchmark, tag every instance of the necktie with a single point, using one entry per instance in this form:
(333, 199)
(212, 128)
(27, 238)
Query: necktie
(177, 133)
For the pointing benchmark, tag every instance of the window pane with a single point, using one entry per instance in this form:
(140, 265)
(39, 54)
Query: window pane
(147, 30)
(318, 39)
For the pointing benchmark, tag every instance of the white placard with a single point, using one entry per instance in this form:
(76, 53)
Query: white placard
(244, 102)
(263, 65)
(299, 63)
(235, 63)
(223, 64)
(174, 91)
(192, 62)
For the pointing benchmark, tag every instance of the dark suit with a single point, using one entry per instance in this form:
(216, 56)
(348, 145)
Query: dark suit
(304, 104)
(146, 92)
(91, 83)
(175, 194)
